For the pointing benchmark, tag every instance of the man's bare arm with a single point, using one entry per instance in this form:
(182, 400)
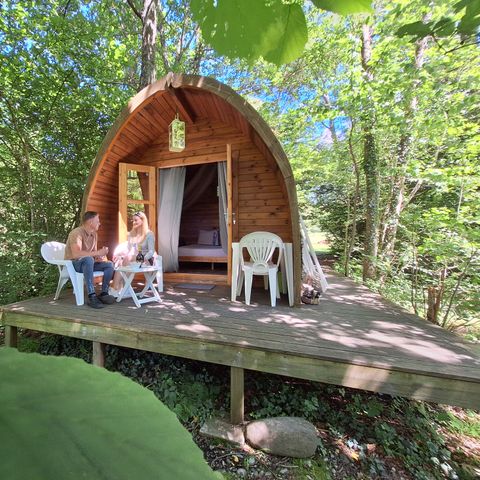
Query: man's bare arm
(77, 251)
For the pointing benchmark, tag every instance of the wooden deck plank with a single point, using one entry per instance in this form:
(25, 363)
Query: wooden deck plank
(275, 330)
(353, 338)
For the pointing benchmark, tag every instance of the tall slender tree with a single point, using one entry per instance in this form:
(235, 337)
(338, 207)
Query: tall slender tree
(370, 161)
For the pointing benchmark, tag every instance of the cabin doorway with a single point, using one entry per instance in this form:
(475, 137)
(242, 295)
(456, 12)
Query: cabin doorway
(203, 238)
(195, 199)
(204, 254)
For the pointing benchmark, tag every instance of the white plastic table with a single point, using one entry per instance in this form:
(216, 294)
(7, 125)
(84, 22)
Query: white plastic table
(128, 274)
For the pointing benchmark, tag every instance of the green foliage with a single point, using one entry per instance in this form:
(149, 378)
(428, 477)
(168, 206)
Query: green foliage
(344, 7)
(308, 469)
(191, 391)
(24, 274)
(62, 418)
(56, 102)
(400, 429)
(406, 432)
(468, 425)
(277, 31)
(71, 347)
(466, 25)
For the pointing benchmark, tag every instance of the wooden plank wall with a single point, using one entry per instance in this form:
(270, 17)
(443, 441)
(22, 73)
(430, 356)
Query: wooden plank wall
(260, 201)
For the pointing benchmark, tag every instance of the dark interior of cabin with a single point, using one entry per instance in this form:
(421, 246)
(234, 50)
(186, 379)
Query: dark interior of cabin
(200, 213)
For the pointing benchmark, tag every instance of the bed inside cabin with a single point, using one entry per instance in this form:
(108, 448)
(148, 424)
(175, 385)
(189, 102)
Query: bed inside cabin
(199, 238)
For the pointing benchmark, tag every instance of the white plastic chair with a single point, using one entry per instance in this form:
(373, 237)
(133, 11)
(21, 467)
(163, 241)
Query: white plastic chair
(260, 246)
(54, 253)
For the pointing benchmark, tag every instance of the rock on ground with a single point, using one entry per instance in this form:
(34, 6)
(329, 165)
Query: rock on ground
(285, 436)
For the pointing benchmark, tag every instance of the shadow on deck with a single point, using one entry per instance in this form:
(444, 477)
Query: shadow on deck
(353, 338)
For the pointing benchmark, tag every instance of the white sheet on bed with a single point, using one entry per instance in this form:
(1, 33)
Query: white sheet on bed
(201, 251)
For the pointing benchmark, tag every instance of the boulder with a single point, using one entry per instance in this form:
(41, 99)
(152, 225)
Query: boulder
(285, 436)
(217, 428)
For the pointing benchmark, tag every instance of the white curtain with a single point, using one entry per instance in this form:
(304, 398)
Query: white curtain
(222, 204)
(171, 183)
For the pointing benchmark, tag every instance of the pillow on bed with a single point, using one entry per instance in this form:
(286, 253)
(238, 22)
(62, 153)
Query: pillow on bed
(208, 237)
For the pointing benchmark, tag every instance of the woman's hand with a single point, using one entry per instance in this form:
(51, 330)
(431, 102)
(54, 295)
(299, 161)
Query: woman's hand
(118, 261)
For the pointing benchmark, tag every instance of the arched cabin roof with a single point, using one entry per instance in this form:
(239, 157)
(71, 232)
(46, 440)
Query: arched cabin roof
(147, 117)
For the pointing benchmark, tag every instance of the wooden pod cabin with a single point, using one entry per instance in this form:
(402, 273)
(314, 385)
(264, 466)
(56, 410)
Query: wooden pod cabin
(220, 127)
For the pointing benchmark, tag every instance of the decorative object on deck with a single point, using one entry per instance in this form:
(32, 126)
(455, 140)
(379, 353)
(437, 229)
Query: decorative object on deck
(176, 135)
(54, 253)
(195, 286)
(284, 436)
(310, 296)
(261, 246)
(254, 181)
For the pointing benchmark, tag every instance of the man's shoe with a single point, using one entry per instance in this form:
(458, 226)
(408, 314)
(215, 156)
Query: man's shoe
(94, 302)
(104, 297)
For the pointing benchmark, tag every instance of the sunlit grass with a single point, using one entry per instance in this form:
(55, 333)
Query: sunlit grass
(319, 241)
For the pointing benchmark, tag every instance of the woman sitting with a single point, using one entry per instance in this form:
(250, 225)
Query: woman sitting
(139, 240)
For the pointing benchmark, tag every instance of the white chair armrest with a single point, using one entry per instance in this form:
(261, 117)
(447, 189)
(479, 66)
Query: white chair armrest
(59, 262)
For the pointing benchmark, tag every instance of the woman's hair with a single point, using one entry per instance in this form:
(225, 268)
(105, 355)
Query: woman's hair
(144, 227)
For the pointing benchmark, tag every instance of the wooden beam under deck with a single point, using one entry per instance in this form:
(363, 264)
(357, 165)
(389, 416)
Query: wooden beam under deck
(353, 338)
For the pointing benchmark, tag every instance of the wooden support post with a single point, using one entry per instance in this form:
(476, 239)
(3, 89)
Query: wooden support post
(236, 395)
(11, 337)
(98, 356)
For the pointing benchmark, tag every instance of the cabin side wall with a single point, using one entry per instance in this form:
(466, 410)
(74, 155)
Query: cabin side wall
(103, 198)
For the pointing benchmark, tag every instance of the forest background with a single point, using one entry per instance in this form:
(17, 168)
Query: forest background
(381, 131)
(378, 114)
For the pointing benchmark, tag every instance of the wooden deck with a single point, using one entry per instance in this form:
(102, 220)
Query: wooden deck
(353, 338)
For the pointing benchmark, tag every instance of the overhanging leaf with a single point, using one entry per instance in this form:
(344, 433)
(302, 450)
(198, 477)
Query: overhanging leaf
(418, 29)
(64, 419)
(251, 29)
(344, 7)
(444, 27)
(468, 24)
(288, 36)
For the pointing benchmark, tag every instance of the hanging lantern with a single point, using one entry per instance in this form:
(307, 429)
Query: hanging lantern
(176, 135)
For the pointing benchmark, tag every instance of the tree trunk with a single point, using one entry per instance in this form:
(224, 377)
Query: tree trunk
(350, 239)
(370, 165)
(435, 296)
(434, 300)
(148, 73)
(389, 234)
(199, 53)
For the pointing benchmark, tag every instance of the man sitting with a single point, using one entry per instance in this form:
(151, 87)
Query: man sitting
(81, 248)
